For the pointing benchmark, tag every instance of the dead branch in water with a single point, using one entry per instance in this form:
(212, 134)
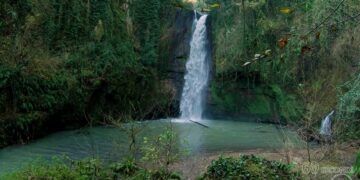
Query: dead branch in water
(199, 123)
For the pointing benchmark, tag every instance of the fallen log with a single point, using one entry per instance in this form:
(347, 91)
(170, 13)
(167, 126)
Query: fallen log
(203, 125)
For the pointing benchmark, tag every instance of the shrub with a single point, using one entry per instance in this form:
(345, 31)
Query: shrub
(164, 175)
(128, 167)
(162, 150)
(42, 170)
(87, 169)
(348, 116)
(20, 128)
(63, 168)
(248, 167)
(356, 168)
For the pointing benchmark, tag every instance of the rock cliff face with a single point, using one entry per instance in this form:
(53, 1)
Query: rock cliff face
(180, 49)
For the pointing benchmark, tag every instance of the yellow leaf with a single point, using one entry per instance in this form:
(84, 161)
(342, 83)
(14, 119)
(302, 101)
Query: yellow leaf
(216, 5)
(286, 10)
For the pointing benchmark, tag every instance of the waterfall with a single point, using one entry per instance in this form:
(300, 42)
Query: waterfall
(325, 128)
(197, 72)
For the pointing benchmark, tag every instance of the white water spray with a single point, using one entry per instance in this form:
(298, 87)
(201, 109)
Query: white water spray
(325, 128)
(197, 73)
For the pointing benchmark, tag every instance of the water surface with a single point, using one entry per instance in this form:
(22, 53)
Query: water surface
(112, 143)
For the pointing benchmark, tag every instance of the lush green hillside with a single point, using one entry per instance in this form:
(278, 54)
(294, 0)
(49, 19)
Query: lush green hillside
(66, 64)
(294, 60)
(71, 63)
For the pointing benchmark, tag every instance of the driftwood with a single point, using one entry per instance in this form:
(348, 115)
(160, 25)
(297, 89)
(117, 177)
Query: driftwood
(203, 125)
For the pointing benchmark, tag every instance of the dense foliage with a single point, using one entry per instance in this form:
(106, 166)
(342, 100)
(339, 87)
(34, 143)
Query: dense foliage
(356, 167)
(87, 169)
(70, 63)
(244, 167)
(65, 64)
(349, 110)
(287, 60)
(248, 167)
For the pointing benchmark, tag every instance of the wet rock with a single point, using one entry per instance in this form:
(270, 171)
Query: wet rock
(180, 49)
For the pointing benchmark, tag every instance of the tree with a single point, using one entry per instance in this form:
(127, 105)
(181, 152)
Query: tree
(147, 29)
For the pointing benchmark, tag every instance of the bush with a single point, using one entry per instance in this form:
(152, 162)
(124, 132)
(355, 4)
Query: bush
(164, 175)
(64, 168)
(356, 168)
(348, 115)
(163, 150)
(20, 127)
(41, 170)
(248, 167)
(87, 169)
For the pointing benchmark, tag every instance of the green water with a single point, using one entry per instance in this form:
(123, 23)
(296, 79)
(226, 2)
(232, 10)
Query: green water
(112, 143)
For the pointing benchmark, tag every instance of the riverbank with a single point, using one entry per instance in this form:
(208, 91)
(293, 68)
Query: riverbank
(325, 164)
(341, 157)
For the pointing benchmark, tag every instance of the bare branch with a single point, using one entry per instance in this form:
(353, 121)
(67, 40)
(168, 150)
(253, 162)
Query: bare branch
(326, 19)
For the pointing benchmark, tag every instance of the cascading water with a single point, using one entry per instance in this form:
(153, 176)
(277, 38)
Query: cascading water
(325, 128)
(197, 73)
